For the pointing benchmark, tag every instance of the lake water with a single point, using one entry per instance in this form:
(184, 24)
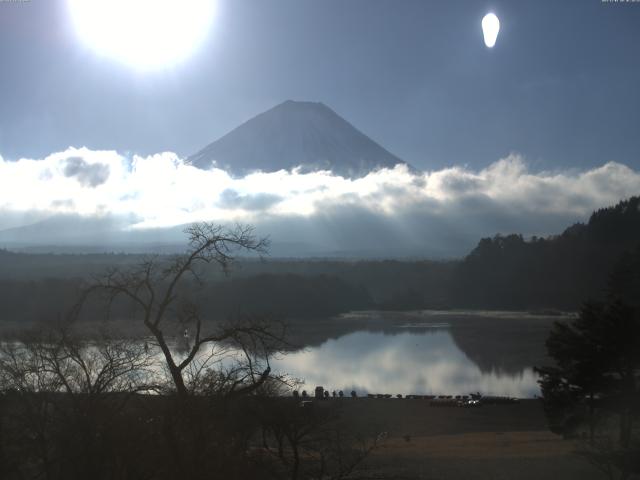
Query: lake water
(415, 354)
(410, 361)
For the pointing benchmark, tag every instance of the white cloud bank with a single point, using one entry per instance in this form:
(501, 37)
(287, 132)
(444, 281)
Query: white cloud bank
(394, 212)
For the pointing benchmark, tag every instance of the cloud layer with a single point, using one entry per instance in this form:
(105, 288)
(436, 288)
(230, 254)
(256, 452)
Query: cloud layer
(392, 212)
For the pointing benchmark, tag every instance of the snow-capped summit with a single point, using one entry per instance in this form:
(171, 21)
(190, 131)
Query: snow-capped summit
(296, 134)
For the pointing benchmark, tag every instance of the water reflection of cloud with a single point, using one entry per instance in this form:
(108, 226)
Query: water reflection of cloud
(409, 362)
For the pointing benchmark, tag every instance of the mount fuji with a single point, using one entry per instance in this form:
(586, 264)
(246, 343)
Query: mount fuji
(293, 134)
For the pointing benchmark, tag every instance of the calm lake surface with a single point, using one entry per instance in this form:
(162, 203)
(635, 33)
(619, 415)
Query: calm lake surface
(426, 352)
(409, 361)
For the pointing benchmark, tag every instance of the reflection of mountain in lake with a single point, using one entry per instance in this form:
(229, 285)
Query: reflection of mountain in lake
(427, 362)
(502, 343)
(505, 341)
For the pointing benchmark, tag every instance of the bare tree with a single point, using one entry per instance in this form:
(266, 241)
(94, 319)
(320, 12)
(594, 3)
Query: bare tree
(314, 441)
(65, 396)
(154, 288)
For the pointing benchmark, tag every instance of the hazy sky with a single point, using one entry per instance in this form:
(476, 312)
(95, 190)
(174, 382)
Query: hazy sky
(530, 136)
(561, 87)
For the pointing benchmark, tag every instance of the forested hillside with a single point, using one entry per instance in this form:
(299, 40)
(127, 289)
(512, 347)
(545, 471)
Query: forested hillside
(556, 272)
(503, 272)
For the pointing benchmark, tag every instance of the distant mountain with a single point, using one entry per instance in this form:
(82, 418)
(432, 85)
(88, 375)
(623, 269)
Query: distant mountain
(67, 233)
(292, 134)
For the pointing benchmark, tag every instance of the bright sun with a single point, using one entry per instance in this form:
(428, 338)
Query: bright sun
(145, 34)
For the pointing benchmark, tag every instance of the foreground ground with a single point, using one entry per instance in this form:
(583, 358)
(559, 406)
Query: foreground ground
(488, 442)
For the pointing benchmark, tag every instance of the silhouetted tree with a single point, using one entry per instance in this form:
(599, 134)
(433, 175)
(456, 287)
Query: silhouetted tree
(315, 441)
(153, 287)
(596, 376)
(67, 399)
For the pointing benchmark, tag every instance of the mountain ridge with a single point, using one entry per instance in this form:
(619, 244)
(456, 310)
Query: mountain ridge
(309, 135)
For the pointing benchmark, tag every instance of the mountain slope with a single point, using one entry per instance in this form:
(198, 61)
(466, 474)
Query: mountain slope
(293, 134)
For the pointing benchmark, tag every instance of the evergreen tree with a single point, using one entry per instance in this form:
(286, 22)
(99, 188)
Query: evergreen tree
(596, 377)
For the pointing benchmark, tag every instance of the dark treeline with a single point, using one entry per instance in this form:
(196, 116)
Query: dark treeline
(286, 295)
(555, 272)
(503, 272)
(283, 296)
(286, 288)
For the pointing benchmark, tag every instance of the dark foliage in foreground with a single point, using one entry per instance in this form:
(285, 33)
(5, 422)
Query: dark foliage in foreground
(594, 387)
(71, 412)
(112, 408)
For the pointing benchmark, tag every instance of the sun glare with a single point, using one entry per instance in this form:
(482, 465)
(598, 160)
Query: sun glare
(490, 29)
(145, 34)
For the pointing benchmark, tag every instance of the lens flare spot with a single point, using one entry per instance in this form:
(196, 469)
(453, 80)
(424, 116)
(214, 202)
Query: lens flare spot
(490, 29)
